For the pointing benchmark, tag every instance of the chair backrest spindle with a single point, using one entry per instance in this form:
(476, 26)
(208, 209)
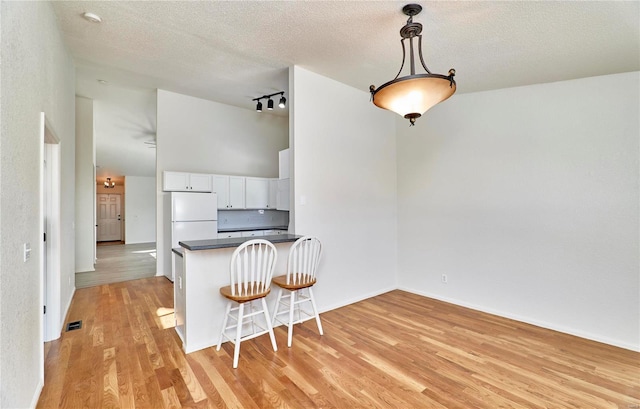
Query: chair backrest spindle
(251, 267)
(304, 257)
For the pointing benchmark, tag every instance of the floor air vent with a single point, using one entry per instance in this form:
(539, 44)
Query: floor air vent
(74, 325)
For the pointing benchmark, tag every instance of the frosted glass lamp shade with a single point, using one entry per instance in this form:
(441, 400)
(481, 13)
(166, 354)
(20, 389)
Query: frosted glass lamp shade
(414, 95)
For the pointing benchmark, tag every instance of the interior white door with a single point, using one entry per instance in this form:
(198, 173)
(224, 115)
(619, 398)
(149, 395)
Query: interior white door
(109, 225)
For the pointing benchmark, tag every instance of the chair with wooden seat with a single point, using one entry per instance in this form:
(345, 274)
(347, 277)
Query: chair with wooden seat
(302, 266)
(251, 270)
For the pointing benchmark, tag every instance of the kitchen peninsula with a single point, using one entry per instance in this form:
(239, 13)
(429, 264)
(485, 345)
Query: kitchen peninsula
(201, 268)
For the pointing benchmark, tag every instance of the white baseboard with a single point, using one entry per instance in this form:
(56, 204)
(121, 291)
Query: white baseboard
(85, 269)
(36, 395)
(64, 313)
(528, 320)
(359, 298)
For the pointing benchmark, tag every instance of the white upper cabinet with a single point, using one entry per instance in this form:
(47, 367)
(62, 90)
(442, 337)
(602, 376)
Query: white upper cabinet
(200, 182)
(283, 194)
(283, 164)
(230, 190)
(186, 182)
(236, 192)
(273, 193)
(221, 187)
(256, 193)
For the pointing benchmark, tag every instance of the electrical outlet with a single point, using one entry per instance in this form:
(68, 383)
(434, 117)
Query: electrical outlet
(445, 279)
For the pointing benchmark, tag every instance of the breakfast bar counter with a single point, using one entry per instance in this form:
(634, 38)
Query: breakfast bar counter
(200, 271)
(195, 245)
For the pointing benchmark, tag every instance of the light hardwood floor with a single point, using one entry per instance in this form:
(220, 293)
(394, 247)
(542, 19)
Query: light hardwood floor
(396, 350)
(120, 262)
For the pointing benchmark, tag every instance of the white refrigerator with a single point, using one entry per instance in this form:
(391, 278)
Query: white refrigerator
(194, 216)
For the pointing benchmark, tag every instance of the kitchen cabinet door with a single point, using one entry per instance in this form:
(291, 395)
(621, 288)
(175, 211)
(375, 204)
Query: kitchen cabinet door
(175, 181)
(273, 193)
(236, 192)
(221, 187)
(256, 193)
(283, 194)
(283, 164)
(199, 182)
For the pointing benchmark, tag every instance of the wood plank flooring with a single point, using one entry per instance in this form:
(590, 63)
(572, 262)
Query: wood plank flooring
(120, 262)
(396, 350)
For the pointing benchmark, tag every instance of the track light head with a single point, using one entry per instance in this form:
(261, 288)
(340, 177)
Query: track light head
(281, 104)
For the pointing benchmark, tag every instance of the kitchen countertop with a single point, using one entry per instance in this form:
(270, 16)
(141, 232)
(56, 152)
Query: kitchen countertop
(212, 244)
(228, 229)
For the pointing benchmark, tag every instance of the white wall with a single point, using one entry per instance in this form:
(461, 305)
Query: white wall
(197, 135)
(344, 161)
(527, 198)
(140, 209)
(37, 76)
(85, 184)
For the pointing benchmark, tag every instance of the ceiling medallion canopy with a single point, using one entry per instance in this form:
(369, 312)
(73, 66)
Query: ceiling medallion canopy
(412, 95)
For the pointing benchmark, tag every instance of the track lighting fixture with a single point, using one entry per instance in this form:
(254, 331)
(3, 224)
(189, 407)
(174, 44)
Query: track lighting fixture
(412, 95)
(281, 104)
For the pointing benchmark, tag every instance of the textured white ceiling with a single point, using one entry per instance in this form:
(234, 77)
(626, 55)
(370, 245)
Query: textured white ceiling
(233, 51)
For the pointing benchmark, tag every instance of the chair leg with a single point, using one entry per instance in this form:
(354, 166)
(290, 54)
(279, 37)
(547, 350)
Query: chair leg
(290, 332)
(275, 311)
(253, 321)
(236, 349)
(269, 326)
(315, 311)
(224, 325)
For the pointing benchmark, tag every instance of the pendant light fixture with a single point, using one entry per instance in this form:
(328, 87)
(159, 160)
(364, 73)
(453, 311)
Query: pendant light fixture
(108, 184)
(413, 95)
(281, 104)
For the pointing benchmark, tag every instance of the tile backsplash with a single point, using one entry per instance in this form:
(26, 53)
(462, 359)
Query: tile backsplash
(242, 219)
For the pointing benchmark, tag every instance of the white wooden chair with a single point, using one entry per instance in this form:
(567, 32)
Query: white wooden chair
(302, 266)
(251, 270)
